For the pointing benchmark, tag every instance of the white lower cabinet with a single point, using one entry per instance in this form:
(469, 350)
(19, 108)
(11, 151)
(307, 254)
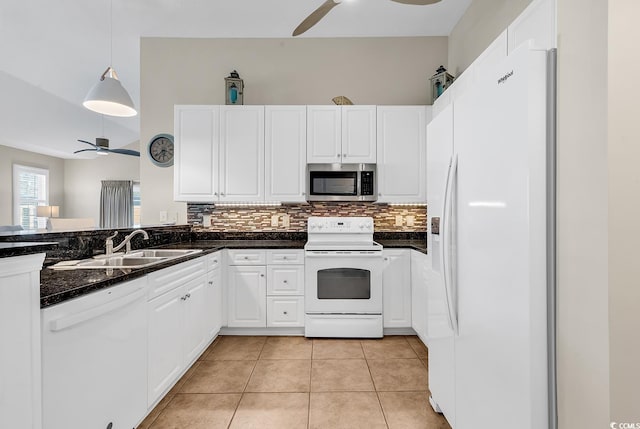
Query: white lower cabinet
(419, 266)
(396, 288)
(285, 288)
(20, 381)
(246, 291)
(177, 326)
(213, 311)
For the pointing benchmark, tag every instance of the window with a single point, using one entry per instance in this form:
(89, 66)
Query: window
(30, 190)
(136, 203)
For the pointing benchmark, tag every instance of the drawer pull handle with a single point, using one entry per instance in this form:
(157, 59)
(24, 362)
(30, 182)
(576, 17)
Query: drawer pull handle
(211, 282)
(184, 298)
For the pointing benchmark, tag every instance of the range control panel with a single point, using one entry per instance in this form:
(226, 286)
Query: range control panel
(340, 225)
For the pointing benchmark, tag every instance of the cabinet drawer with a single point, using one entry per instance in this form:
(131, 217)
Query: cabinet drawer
(214, 260)
(288, 256)
(285, 280)
(247, 257)
(170, 278)
(285, 311)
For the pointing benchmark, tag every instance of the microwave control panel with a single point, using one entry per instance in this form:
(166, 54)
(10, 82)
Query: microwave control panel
(366, 183)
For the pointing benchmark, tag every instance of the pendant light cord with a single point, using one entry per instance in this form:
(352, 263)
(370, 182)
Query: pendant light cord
(110, 33)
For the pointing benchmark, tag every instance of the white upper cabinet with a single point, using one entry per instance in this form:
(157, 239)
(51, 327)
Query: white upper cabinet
(341, 134)
(358, 134)
(241, 153)
(402, 155)
(285, 153)
(195, 175)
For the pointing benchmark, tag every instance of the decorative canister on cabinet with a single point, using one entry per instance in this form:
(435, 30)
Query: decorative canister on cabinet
(234, 89)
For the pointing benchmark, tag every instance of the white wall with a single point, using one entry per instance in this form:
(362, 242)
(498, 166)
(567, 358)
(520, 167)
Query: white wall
(82, 181)
(583, 333)
(624, 209)
(10, 156)
(275, 71)
(483, 21)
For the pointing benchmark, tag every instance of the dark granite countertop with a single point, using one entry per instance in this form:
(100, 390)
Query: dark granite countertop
(58, 286)
(25, 248)
(419, 245)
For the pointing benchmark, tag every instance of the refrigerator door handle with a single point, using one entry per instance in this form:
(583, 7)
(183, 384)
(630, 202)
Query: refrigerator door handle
(446, 244)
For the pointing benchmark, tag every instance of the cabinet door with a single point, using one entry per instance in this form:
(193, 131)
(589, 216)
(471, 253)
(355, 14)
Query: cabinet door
(358, 134)
(396, 288)
(196, 145)
(285, 153)
(213, 308)
(241, 153)
(402, 154)
(195, 320)
(165, 355)
(324, 134)
(419, 302)
(247, 293)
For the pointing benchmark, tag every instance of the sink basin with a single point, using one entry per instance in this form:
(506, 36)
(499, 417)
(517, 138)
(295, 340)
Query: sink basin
(120, 262)
(167, 253)
(138, 259)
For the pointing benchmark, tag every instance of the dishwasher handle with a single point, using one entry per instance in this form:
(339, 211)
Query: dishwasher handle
(77, 318)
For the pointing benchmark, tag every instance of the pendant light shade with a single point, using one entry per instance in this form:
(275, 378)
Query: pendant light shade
(109, 97)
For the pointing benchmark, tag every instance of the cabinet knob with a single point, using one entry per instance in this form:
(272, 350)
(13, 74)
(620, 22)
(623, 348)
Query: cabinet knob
(222, 193)
(246, 257)
(211, 282)
(284, 257)
(304, 193)
(285, 281)
(215, 193)
(261, 275)
(386, 259)
(284, 312)
(344, 155)
(188, 295)
(379, 194)
(338, 156)
(184, 298)
(215, 261)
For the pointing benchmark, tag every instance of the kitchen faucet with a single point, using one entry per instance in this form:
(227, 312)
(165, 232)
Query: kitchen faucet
(109, 249)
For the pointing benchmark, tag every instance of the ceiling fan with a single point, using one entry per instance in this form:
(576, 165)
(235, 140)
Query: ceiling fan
(102, 148)
(325, 7)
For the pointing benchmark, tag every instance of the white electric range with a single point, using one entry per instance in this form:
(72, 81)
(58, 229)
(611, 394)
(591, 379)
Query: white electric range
(343, 278)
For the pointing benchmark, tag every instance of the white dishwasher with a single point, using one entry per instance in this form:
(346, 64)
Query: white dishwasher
(94, 359)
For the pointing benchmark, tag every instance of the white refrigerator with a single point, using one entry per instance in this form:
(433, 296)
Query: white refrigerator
(490, 181)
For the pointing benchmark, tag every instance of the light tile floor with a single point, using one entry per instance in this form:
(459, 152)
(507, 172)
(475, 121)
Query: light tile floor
(295, 382)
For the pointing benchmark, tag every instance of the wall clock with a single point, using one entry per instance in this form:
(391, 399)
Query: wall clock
(160, 150)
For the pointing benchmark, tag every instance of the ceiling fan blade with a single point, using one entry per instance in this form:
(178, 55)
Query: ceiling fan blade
(123, 151)
(417, 2)
(89, 143)
(315, 16)
(86, 150)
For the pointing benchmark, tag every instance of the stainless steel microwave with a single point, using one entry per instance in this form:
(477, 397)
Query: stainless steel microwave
(341, 182)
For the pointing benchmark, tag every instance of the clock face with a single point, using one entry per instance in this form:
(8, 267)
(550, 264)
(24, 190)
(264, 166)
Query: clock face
(161, 150)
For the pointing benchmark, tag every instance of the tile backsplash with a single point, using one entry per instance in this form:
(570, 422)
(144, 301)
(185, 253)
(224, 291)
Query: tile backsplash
(257, 218)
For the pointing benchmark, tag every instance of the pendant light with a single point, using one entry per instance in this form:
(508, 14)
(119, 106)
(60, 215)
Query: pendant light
(108, 96)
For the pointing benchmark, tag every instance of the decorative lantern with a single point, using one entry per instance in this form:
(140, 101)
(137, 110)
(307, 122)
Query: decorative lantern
(439, 82)
(234, 89)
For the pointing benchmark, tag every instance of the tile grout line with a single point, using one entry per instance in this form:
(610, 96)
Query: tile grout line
(310, 378)
(245, 386)
(375, 388)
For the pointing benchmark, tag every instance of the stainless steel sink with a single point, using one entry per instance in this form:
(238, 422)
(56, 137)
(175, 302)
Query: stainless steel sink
(137, 259)
(120, 262)
(167, 253)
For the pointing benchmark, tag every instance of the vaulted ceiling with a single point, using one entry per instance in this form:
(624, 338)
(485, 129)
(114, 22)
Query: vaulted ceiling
(52, 52)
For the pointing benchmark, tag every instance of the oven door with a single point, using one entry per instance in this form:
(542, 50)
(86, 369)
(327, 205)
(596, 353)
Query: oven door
(343, 282)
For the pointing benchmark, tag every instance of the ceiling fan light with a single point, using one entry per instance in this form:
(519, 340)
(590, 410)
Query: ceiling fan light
(109, 97)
